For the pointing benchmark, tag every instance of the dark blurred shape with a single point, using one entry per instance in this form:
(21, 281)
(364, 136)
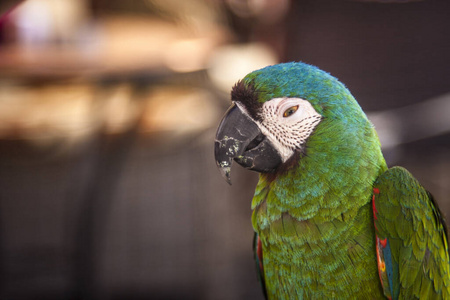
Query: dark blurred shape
(388, 1)
(260, 21)
(387, 55)
(7, 6)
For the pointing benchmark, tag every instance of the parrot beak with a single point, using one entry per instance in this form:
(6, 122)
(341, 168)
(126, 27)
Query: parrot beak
(239, 137)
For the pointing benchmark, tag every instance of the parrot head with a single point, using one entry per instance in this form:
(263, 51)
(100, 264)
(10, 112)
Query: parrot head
(281, 114)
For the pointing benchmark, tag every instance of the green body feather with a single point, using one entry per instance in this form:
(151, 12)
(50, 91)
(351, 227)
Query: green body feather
(315, 220)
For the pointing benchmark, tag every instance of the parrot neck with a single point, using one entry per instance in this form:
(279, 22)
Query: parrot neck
(324, 184)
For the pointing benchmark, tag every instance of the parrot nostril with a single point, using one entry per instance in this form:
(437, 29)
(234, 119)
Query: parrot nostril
(256, 141)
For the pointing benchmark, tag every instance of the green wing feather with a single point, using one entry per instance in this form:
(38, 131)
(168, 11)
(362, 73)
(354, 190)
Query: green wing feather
(257, 252)
(407, 218)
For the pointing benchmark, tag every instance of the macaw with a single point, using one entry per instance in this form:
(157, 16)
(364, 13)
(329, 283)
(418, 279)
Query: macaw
(331, 220)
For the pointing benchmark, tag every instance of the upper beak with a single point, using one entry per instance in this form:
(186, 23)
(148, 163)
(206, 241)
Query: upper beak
(239, 137)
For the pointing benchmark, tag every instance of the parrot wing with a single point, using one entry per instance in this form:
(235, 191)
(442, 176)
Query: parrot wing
(411, 238)
(258, 255)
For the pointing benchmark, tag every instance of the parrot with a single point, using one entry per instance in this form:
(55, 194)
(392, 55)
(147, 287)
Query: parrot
(331, 220)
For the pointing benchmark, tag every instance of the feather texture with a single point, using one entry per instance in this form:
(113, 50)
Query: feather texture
(406, 215)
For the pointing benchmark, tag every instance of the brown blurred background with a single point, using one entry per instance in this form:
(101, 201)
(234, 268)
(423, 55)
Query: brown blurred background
(108, 110)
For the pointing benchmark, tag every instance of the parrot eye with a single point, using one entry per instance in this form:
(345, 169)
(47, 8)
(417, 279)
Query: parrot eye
(290, 111)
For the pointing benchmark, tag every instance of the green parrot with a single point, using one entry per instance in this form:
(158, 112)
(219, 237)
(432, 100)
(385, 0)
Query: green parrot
(331, 220)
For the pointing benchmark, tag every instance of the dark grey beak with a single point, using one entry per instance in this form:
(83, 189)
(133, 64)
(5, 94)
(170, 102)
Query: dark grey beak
(239, 137)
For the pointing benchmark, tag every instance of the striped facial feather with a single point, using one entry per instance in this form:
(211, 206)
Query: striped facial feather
(287, 123)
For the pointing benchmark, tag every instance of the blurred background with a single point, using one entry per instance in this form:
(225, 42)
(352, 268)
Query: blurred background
(108, 110)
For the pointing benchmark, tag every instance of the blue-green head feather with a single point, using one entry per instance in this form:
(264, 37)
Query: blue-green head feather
(326, 93)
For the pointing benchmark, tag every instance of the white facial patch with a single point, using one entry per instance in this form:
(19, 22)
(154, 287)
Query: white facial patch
(287, 123)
